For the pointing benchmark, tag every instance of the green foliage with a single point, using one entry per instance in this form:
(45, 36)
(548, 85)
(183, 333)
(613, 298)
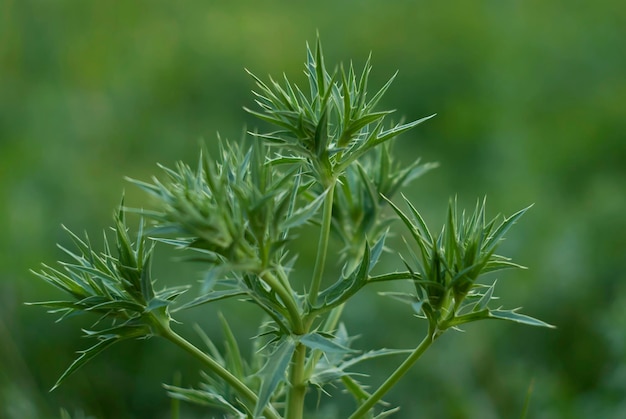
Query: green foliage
(329, 166)
(448, 266)
(118, 286)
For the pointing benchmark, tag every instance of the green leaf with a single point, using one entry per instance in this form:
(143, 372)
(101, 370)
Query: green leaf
(377, 250)
(398, 129)
(420, 233)
(374, 354)
(274, 372)
(485, 299)
(423, 228)
(317, 341)
(321, 134)
(494, 239)
(204, 397)
(146, 281)
(513, 316)
(213, 351)
(357, 124)
(327, 372)
(85, 357)
(171, 293)
(304, 214)
(354, 388)
(117, 305)
(211, 297)
(498, 263)
(344, 288)
(510, 315)
(387, 413)
(374, 101)
(233, 354)
(156, 303)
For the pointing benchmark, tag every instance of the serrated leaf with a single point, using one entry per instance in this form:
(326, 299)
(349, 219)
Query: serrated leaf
(398, 129)
(170, 294)
(317, 341)
(346, 287)
(494, 239)
(211, 297)
(203, 397)
(327, 372)
(387, 413)
(304, 214)
(495, 264)
(274, 372)
(513, 316)
(420, 234)
(85, 357)
(484, 300)
(117, 305)
(403, 297)
(377, 250)
(373, 354)
(156, 303)
(55, 304)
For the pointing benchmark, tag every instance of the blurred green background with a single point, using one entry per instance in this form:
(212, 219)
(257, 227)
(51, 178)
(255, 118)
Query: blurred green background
(531, 104)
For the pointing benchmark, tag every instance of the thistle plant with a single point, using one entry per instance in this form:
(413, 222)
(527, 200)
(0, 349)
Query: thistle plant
(328, 164)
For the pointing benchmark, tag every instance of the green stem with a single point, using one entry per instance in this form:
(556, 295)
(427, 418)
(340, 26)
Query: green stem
(297, 390)
(395, 377)
(216, 368)
(322, 247)
(175, 401)
(298, 374)
(288, 299)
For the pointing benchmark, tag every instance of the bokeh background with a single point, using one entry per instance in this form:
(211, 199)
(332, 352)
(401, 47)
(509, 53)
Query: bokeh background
(531, 104)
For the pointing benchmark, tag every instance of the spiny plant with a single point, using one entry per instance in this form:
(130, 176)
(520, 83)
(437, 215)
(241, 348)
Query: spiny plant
(329, 165)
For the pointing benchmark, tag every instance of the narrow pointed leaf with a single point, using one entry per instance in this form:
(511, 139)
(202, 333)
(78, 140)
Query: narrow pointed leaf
(484, 300)
(377, 250)
(398, 129)
(321, 134)
(274, 372)
(233, 354)
(304, 214)
(513, 316)
(85, 357)
(354, 388)
(211, 297)
(317, 341)
(344, 288)
(492, 242)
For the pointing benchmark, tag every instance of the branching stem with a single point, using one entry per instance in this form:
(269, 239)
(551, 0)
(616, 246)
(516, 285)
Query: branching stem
(216, 368)
(288, 299)
(395, 376)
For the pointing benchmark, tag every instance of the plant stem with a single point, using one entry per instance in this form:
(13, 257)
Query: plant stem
(322, 247)
(215, 367)
(287, 296)
(395, 377)
(175, 401)
(297, 390)
(297, 373)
